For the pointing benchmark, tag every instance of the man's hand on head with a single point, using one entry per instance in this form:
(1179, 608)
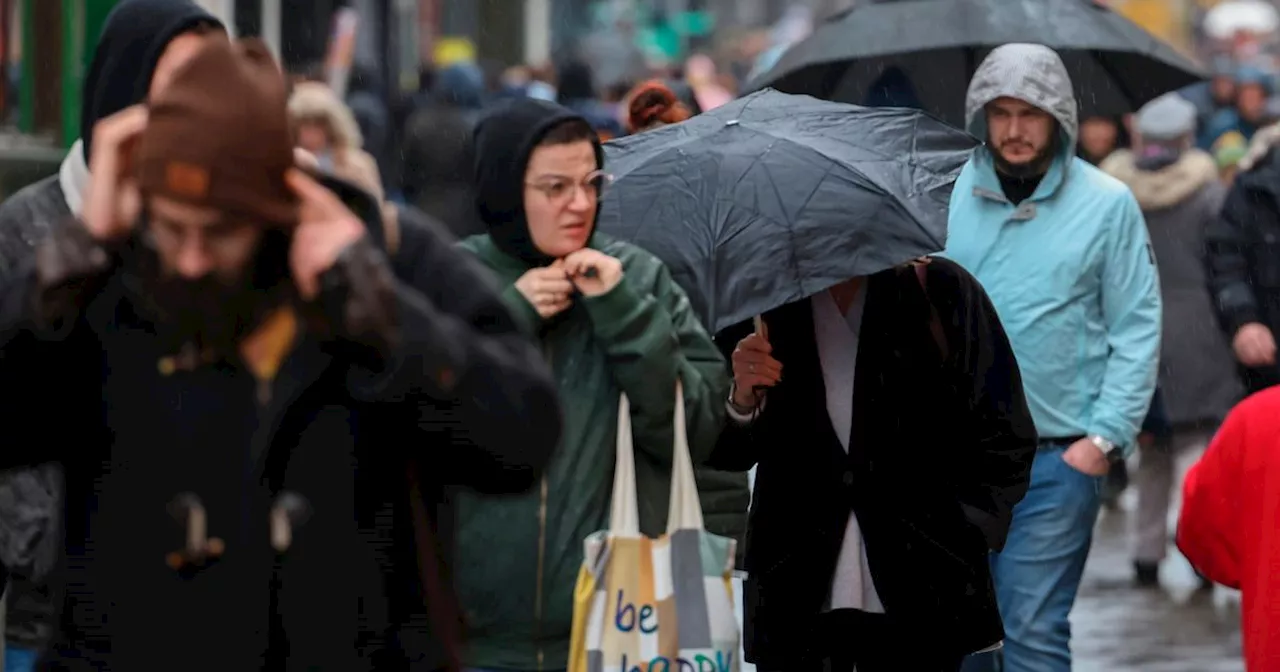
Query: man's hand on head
(325, 229)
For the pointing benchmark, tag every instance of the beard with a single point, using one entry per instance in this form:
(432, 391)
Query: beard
(1035, 167)
(209, 316)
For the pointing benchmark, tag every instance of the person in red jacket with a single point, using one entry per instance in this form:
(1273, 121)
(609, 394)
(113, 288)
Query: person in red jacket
(1229, 527)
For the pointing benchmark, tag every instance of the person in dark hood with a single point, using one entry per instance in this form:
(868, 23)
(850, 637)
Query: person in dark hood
(576, 90)
(142, 44)
(267, 416)
(611, 320)
(437, 140)
(1216, 94)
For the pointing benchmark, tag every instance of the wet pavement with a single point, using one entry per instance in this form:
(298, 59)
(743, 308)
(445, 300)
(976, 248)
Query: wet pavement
(1117, 627)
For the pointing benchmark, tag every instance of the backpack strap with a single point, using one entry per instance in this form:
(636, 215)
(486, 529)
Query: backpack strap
(921, 268)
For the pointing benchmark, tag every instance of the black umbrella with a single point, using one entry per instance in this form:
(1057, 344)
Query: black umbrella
(1115, 65)
(773, 197)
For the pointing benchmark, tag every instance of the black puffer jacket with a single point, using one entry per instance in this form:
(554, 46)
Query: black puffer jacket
(1244, 256)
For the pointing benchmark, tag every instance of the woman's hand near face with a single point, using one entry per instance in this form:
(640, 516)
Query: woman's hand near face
(547, 289)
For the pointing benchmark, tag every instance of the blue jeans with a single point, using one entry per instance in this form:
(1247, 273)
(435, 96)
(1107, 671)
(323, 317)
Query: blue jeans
(19, 658)
(1038, 572)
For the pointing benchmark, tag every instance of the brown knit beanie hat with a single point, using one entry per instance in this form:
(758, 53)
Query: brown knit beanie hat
(218, 135)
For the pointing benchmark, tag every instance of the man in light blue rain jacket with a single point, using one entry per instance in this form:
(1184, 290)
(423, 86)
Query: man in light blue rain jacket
(1063, 252)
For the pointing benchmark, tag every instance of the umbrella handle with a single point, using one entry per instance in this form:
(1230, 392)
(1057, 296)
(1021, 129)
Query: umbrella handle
(761, 328)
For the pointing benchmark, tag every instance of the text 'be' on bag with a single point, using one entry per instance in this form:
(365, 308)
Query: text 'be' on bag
(655, 605)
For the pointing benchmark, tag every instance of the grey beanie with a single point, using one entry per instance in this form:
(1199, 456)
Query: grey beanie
(1168, 117)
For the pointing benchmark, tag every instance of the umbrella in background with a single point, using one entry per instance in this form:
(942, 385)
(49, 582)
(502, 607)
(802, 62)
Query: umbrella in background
(774, 197)
(1115, 65)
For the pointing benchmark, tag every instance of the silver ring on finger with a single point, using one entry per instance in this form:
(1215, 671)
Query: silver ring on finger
(751, 368)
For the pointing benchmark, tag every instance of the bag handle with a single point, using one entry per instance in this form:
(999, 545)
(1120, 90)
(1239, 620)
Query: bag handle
(685, 510)
(624, 512)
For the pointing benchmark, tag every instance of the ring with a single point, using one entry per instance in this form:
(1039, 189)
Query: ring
(751, 368)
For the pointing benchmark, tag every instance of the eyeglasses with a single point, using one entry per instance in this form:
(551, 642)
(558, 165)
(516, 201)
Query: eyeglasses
(561, 189)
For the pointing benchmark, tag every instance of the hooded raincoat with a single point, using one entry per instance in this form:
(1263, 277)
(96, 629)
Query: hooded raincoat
(518, 557)
(1070, 269)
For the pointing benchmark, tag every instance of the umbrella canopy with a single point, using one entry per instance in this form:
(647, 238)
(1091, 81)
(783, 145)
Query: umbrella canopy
(1115, 66)
(773, 197)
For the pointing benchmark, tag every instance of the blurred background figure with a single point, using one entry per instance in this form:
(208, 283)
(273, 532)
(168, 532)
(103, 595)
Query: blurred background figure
(436, 151)
(893, 89)
(324, 126)
(652, 105)
(1252, 88)
(1099, 137)
(367, 99)
(1180, 195)
(576, 90)
(1217, 94)
(701, 74)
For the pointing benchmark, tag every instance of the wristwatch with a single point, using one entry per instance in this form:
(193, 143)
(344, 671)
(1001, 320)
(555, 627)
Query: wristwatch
(1107, 447)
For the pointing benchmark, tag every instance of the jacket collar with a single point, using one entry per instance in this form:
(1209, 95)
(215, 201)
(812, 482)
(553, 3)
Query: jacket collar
(73, 177)
(987, 185)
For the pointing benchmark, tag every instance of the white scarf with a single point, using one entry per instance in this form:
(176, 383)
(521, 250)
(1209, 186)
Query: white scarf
(73, 177)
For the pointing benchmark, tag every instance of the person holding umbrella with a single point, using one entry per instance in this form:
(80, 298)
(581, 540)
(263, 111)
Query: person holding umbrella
(862, 534)
(1063, 249)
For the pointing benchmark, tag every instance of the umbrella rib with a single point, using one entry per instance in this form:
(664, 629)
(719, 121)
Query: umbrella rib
(790, 224)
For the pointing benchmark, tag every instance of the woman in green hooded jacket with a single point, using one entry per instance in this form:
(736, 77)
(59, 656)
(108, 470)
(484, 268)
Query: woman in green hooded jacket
(610, 320)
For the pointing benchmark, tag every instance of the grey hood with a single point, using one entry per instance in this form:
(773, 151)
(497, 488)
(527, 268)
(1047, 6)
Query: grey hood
(1031, 73)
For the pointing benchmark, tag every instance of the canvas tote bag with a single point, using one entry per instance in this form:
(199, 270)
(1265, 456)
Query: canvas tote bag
(655, 605)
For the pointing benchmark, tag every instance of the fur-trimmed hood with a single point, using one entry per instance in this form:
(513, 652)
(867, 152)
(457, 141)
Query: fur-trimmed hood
(1262, 143)
(1167, 187)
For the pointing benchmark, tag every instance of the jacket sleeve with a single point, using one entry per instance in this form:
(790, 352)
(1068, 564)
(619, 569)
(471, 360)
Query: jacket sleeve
(1227, 239)
(47, 355)
(1131, 314)
(739, 446)
(1209, 522)
(473, 375)
(651, 337)
(1001, 440)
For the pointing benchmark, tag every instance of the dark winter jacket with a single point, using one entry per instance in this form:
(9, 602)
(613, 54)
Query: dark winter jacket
(365, 433)
(1244, 253)
(940, 452)
(518, 558)
(133, 38)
